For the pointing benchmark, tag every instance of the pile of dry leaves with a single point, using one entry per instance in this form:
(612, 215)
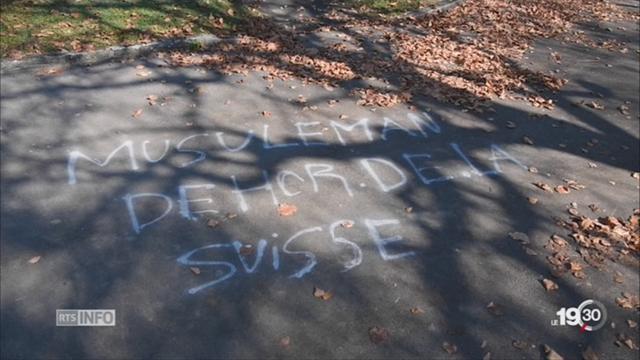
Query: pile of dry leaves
(466, 56)
(597, 240)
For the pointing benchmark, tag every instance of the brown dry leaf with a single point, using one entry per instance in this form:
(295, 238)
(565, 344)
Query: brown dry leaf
(152, 99)
(142, 72)
(449, 348)
(561, 189)
(518, 344)
(137, 113)
(195, 270)
(589, 354)
(35, 259)
(347, 224)
(551, 354)
(618, 278)
(543, 186)
(265, 113)
(549, 285)
(416, 310)
(378, 334)
(595, 105)
(628, 301)
(285, 209)
(321, 294)
(408, 209)
(285, 342)
(532, 200)
(247, 250)
(342, 116)
(519, 236)
(51, 71)
(624, 109)
(573, 211)
(495, 309)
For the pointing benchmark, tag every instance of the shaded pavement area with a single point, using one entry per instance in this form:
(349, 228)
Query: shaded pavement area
(205, 207)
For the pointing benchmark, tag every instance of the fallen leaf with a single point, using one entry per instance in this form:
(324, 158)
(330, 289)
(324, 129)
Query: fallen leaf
(247, 250)
(595, 105)
(143, 72)
(51, 71)
(378, 334)
(495, 309)
(632, 324)
(321, 294)
(137, 113)
(533, 169)
(519, 236)
(527, 140)
(449, 348)
(543, 186)
(635, 175)
(35, 259)
(152, 99)
(624, 109)
(589, 354)
(518, 344)
(573, 211)
(285, 209)
(549, 285)
(408, 209)
(627, 301)
(551, 354)
(617, 278)
(561, 189)
(532, 200)
(285, 342)
(347, 224)
(342, 116)
(195, 270)
(212, 223)
(416, 310)
(265, 113)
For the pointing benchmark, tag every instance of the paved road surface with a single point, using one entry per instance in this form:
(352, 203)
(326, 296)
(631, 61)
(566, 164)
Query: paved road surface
(117, 207)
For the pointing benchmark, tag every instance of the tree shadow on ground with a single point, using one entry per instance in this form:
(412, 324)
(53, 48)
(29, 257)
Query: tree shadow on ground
(94, 260)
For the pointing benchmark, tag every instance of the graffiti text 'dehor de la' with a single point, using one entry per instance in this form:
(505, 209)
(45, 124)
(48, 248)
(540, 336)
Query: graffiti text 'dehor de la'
(384, 171)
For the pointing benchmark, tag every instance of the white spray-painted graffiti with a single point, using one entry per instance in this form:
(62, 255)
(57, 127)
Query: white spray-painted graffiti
(373, 227)
(386, 174)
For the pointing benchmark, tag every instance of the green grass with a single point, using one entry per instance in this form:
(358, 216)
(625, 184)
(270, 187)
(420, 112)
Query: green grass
(43, 26)
(389, 6)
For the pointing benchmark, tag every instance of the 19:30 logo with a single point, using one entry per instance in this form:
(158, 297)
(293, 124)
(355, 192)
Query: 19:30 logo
(590, 315)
